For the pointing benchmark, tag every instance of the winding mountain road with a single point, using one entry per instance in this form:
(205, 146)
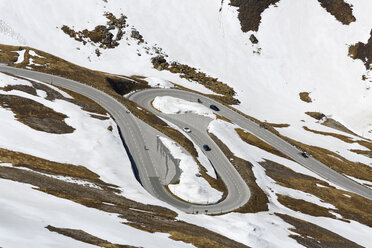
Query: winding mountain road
(145, 97)
(133, 138)
(144, 166)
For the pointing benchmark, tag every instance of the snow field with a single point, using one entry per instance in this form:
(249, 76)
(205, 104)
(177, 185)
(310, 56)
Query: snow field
(353, 231)
(26, 212)
(303, 49)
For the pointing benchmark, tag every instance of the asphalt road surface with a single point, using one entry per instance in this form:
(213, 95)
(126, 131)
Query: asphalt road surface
(141, 158)
(145, 97)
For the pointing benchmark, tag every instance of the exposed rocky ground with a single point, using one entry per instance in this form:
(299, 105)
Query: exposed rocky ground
(250, 12)
(101, 34)
(363, 52)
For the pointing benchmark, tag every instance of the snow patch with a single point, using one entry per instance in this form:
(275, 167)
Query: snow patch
(191, 187)
(21, 56)
(173, 105)
(160, 83)
(34, 54)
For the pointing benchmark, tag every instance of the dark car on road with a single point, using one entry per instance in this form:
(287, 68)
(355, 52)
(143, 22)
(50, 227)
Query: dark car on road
(214, 107)
(206, 148)
(305, 154)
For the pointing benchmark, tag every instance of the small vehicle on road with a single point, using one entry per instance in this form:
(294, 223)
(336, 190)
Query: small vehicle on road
(146, 148)
(214, 107)
(187, 130)
(305, 154)
(262, 125)
(206, 148)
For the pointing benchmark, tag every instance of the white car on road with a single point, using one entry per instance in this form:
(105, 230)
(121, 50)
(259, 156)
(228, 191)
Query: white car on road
(187, 130)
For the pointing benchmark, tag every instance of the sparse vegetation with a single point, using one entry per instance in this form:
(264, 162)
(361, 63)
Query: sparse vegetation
(304, 206)
(277, 125)
(329, 122)
(192, 74)
(338, 136)
(145, 217)
(363, 52)
(254, 141)
(250, 12)
(316, 115)
(305, 96)
(337, 162)
(85, 237)
(347, 139)
(310, 235)
(341, 10)
(36, 115)
(351, 207)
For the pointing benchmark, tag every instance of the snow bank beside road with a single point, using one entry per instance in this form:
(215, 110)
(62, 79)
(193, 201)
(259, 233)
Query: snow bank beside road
(191, 187)
(173, 105)
(158, 82)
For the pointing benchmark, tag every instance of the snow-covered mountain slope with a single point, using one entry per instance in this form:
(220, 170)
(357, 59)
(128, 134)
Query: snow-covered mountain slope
(302, 48)
(295, 74)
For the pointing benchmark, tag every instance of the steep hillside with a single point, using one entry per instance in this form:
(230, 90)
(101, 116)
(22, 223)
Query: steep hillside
(301, 68)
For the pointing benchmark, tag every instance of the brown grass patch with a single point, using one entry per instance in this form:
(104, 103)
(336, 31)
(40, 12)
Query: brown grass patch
(258, 201)
(338, 136)
(220, 117)
(8, 54)
(341, 10)
(311, 235)
(337, 162)
(362, 51)
(329, 122)
(366, 144)
(202, 242)
(305, 96)
(254, 141)
(192, 74)
(250, 12)
(80, 100)
(354, 207)
(331, 159)
(338, 126)
(316, 115)
(85, 103)
(25, 88)
(24, 160)
(304, 206)
(36, 115)
(277, 125)
(85, 237)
